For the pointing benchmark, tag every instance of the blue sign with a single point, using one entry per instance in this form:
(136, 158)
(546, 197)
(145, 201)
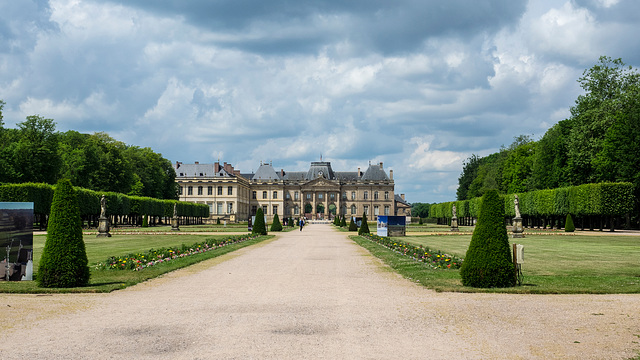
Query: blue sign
(391, 225)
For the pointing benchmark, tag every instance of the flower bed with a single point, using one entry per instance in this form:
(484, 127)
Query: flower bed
(153, 257)
(434, 259)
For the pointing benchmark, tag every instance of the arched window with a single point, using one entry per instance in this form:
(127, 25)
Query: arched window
(353, 209)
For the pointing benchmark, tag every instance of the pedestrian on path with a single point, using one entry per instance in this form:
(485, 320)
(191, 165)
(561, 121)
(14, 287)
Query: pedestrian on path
(301, 223)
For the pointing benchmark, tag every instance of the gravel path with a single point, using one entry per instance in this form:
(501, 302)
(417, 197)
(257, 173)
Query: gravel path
(308, 295)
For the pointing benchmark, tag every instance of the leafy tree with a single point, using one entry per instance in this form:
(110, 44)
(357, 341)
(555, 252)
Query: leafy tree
(276, 226)
(79, 158)
(488, 260)
(35, 153)
(64, 260)
(517, 165)
(568, 224)
(364, 228)
(259, 227)
(469, 173)
(115, 172)
(549, 170)
(420, 210)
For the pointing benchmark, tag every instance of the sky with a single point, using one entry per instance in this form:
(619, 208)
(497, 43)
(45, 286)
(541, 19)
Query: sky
(419, 85)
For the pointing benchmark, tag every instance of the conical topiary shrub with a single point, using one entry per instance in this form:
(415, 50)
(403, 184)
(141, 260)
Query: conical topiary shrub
(259, 226)
(352, 225)
(276, 226)
(64, 260)
(568, 224)
(488, 261)
(343, 223)
(364, 228)
(145, 221)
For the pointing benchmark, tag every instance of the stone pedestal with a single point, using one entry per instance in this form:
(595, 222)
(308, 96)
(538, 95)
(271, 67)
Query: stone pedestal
(103, 227)
(174, 224)
(517, 228)
(454, 224)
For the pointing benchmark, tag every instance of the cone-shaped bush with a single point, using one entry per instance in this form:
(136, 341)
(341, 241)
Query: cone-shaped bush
(364, 228)
(145, 221)
(344, 222)
(488, 261)
(352, 225)
(259, 227)
(276, 226)
(64, 260)
(568, 224)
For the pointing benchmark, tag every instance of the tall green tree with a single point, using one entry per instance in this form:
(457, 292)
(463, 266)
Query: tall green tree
(35, 153)
(469, 173)
(64, 259)
(517, 165)
(549, 170)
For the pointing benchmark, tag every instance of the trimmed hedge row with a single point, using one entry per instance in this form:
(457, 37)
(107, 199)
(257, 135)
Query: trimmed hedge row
(89, 202)
(602, 199)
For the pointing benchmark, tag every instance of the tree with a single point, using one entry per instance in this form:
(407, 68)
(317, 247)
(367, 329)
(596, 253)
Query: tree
(364, 228)
(276, 226)
(343, 223)
(64, 260)
(35, 153)
(420, 210)
(488, 260)
(352, 225)
(568, 224)
(469, 173)
(259, 227)
(549, 169)
(517, 165)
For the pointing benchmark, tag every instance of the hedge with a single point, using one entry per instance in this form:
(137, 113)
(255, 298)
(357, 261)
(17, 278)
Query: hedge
(41, 195)
(601, 199)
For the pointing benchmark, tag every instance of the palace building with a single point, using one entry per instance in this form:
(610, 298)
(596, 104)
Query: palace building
(318, 193)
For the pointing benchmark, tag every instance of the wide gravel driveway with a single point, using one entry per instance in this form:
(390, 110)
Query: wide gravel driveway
(309, 295)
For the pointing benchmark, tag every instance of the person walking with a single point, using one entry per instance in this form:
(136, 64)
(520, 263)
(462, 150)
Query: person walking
(301, 223)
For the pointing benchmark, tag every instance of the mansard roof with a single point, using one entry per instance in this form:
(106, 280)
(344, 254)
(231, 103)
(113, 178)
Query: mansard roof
(347, 175)
(398, 198)
(266, 172)
(320, 168)
(375, 173)
(199, 170)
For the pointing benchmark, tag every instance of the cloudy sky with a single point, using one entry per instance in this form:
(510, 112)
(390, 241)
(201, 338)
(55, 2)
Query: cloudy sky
(417, 84)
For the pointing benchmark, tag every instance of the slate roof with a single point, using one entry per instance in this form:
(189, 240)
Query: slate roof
(199, 170)
(347, 175)
(375, 173)
(295, 175)
(399, 199)
(320, 168)
(266, 172)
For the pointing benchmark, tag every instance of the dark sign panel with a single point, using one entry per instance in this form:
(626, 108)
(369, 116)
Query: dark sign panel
(16, 241)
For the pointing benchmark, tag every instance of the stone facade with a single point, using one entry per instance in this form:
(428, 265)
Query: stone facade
(317, 193)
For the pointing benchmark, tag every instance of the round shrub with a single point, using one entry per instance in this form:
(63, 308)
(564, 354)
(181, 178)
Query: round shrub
(259, 227)
(276, 226)
(568, 225)
(488, 261)
(364, 228)
(64, 261)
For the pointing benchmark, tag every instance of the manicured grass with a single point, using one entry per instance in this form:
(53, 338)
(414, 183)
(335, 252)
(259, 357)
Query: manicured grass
(99, 249)
(183, 228)
(553, 264)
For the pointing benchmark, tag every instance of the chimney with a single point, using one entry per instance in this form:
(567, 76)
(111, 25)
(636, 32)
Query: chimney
(216, 167)
(380, 164)
(236, 172)
(281, 173)
(178, 163)
(228, 168)
(358, 172)
(197, 162)
(402, 196)
(391, 174)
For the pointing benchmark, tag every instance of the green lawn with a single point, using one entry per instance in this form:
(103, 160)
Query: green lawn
(552, 263)
(99, 249)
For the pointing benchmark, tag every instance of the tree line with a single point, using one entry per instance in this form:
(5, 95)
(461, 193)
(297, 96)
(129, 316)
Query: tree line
(599, 142)
(35, 152)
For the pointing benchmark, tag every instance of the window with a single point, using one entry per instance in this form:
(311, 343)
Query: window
(219, 208)
(190, 190)
(375, 195)
(353, 195)
(230, 190)
(210, 207)
(181, 190)
(386, 210)
(366, 209)
(199, 190)
(288, 195)
(332, 196)
(386, 195)
(209, 190)
(275, 209)
(264, 209)
(353, 209)
(264, 195)
(320, 196)
(308, 196)
(296, 210)
(366, 195)
(230, 208)
(344, 195)
(254, 195)
(254, 209)
(219, 190)
(275, 194)
(295, 195)
(376, 210)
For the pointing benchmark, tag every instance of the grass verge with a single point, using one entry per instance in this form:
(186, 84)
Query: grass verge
(552, 264)
(99, 249)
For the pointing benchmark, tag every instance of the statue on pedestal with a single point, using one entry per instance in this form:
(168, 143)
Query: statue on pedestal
(517, 221)
(454, 219)
(103, 221)
(516, 203)
(174, 219)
